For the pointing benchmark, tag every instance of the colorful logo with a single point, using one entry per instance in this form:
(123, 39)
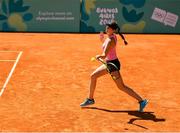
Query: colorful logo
(135, 3)
(14, 15)
(86, 7)
(134, 19)
(165, 17)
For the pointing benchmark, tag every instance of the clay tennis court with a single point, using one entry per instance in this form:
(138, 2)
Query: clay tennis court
(52, 77)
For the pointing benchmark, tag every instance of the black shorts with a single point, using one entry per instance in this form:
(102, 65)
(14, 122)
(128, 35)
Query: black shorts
(113, 68)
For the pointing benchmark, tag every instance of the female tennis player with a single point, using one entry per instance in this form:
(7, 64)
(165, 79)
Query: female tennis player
(110, 56)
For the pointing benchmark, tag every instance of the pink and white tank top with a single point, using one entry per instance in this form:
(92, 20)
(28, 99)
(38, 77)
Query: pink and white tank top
(112, 53)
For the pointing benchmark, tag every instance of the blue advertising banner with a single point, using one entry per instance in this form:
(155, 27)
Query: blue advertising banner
(90, 16)
(133, 16)
(40, 15)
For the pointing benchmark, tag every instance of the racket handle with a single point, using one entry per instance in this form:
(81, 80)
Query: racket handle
(101, 60)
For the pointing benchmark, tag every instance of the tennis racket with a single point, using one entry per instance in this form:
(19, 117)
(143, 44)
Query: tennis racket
(109, 66)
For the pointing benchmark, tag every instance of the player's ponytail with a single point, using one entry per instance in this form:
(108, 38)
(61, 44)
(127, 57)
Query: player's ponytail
(115, 26)
(118, 31)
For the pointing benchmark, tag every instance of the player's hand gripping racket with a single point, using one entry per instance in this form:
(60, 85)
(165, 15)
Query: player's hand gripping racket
(109, 66)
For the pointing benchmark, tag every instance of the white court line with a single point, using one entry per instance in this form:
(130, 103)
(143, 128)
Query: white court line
(10, 74)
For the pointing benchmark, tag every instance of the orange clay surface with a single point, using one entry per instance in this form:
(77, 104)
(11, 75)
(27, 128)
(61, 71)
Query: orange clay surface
(52, 77)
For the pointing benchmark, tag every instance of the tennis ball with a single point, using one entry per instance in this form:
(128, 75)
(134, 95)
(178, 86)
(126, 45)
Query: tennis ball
(93, 59)
(114, 78)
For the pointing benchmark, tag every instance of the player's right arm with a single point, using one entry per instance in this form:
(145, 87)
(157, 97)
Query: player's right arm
(101, 36)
